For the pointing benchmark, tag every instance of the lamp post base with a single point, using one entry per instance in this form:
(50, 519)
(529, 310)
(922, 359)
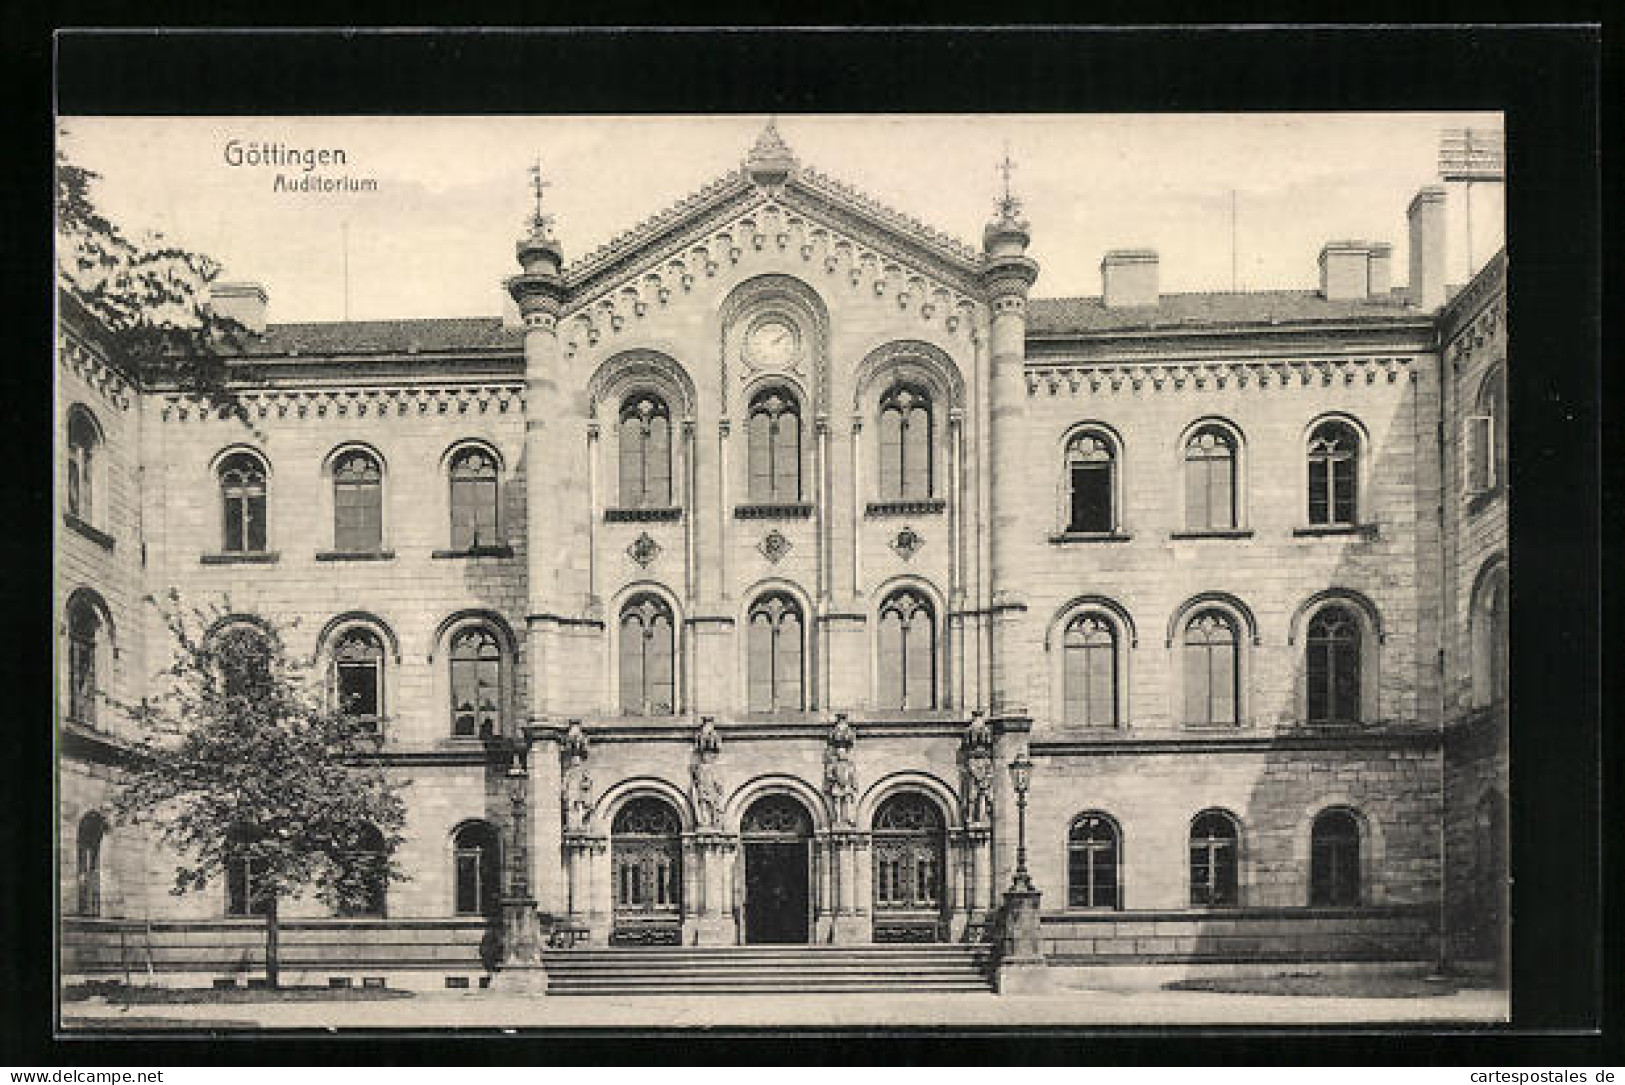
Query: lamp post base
(1022, 968)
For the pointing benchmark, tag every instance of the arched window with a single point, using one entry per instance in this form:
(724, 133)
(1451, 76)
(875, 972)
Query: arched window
(368, 873)
(1489, 640)
(243, 653)
(1332, 666)
(92, 831)
(358, 675)
(1485, 460)
(358, 502)
(473, 499)
(476, 683)
(645, 452)
(1092, 862)
(647, 865)
(648, 663)
(1211, 668)
(242, 504)
(774, 452)
(1334, 462)
(1210, 480)
(84, 440)
(474, 856)
(905, 444)
(84, 632)
(1091, 464)
(775, 644)
(245, 889)
(907, 651)
(908, 846)
(1215, 881)
(1334, 860)
(1089, 665)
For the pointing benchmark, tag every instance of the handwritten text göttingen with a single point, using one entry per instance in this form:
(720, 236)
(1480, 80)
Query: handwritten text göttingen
(252, 154)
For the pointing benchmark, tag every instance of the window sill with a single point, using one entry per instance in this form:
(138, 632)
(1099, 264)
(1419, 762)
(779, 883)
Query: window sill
(476, 552)
(921, 507)
(1483, 499)
(1368, 531)
(1212, 728)
(785, 510)
(94, 534)
(244, 557)
(1214, 533)
(1066, 538)
(653, 514)
(355, 555)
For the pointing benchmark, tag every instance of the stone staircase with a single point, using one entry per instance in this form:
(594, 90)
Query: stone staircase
(792, 969)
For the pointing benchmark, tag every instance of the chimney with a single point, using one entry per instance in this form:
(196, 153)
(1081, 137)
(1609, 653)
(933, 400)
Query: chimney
(1343, 271)
(242, 302)
(1128, 278)
(1426, 216)
(1381, 270)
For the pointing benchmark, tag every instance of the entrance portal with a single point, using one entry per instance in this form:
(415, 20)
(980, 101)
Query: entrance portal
(776, 831)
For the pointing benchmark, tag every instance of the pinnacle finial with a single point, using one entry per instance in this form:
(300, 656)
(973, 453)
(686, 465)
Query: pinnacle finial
(541, 224)
(1008, 206)
(771, 159)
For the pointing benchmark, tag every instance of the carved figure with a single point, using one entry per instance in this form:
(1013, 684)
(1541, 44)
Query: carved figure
(576, 786)
(841, 773)
(706, 787)
(978, 787)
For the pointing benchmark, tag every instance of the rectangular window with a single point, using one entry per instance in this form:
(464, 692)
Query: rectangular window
(358, 687)
(1479, 460)
(473, 513)
(1209, 501)
(1222, 682)
(787, 458)
(891, 455)
(243, 896)
(468, 881)
(82, 679)
(357, 518)
(759, 454)
(759, 666)
(1091, 497)
(662, 683)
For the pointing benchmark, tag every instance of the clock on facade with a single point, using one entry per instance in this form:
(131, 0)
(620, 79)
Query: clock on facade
(773, 344)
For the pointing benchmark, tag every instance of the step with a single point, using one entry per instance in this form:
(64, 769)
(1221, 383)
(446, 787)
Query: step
(772, 969)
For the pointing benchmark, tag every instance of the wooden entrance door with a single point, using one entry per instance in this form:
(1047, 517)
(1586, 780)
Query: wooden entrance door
(776, 831)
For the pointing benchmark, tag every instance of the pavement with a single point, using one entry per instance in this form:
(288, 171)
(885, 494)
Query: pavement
(1070, 1007)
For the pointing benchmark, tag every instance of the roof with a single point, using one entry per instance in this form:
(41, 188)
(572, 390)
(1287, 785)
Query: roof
(1073, 316)
(426, 336)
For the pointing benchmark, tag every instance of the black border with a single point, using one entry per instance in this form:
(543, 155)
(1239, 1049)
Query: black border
(1547, 80)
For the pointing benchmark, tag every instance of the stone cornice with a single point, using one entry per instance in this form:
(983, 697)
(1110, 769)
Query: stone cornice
(399, 400)
(1306, 740)
(1197, 376)
(90, 366)
(586, 268)
(1487, 285)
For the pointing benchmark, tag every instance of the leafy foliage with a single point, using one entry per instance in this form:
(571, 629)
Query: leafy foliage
(151, 297)
(241, 758)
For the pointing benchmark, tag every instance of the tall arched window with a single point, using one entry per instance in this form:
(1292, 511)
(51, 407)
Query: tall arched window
(84, 440)
(476, 870)
(92, 832)
(358, 502)
(648, 663)
(645, 452)
(905, 444)
(245, 890)
(1485, 458)
(774, 452)
(476, 683)
(774, 646)
(358, 675)
(1092, 862)
(1211, 668)
(1334, 464)
(1489, 639)
(1332, 666)
(242, 504)
(84, 632)
(1215, 864)
(473, 499)
(1210, 480)
(368, 872)
(1091, 465)
(907, 651)
(1089, 664)
(1334, 860)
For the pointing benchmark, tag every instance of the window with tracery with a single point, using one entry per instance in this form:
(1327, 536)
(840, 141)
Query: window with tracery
(1089, 663)
(907, 652)
(84, 629)
(358, 673)
(646, 845)
(1332, 666)
(905, 444)
(1334, 860)
(777, 816)
(908, 853)
(1334, 462)
(1091, 464)
(83, 442)
(476, 683)
(1210, 480)
(647, 657)
(88, 849)
(774, 450)
(473, 499)
(775, 641)
(477, 871)
(358, 502)
(1211, 668)
(1215, 861)
(242, 504)
(645, 450)
(1092, 862)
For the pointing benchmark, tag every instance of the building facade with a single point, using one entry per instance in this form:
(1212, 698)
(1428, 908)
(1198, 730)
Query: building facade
(707, 598)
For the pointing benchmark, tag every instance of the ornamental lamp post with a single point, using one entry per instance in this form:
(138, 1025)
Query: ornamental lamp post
(1021, 776)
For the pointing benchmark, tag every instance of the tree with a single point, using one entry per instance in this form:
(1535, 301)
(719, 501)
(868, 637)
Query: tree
(249, 774)
(151, 297)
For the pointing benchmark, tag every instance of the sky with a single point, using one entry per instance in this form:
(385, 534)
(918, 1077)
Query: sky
(435, 236)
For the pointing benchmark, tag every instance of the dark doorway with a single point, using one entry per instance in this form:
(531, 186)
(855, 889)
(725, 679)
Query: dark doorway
(776, 830)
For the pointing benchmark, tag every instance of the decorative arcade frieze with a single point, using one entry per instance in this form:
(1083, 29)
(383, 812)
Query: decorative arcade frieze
(1056, 380)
